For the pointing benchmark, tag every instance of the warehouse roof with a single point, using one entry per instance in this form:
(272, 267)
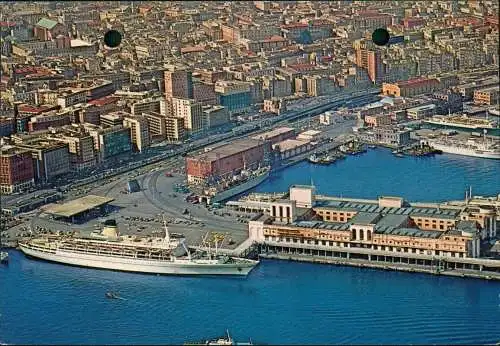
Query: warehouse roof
(273, 133)
(229, 149)
(78, 205)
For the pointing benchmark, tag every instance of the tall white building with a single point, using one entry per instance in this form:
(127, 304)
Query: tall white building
(191, 111)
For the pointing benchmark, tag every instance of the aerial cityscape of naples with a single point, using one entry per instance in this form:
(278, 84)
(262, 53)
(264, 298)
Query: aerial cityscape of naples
(249, 172)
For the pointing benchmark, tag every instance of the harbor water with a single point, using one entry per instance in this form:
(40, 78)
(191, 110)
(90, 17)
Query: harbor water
(380, 173)
(280, 302)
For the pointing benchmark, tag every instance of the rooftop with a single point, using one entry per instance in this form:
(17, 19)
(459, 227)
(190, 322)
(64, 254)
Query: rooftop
(364, 218)
(374, 208)
(276, 132)
(78, 205)
(46, 23)
(228, 150)
(289, 144)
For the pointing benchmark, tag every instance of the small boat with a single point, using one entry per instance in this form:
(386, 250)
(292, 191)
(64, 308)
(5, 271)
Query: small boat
(112, 295)
(372, 146)
(225, 340)
(400, 155)
(4, 257)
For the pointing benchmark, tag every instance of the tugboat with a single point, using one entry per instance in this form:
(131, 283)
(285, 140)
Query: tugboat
(314, 158)
(326, 160)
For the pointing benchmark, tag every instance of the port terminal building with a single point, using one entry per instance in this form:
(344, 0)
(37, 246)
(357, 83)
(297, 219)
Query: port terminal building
(302, 222)
(79, 210)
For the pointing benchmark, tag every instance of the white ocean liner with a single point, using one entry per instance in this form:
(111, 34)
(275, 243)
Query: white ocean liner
(476, 150)
(462, 121)
(109, 250)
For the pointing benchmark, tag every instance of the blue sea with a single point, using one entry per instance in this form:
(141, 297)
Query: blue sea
(279, 302)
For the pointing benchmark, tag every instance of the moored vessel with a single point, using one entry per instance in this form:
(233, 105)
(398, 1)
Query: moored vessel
(474, 148)
(245, 181)
(109, 250)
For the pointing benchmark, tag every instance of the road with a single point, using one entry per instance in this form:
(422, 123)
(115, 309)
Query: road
(238, 132)
(157, 196)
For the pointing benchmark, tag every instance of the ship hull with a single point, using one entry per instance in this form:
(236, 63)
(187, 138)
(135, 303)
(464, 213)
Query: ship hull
(459, 126)
(138, 265)
(236, 190)
(465, 152)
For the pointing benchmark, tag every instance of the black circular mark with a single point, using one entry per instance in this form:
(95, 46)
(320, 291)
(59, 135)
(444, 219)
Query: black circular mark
(380, 37)
(112, 38)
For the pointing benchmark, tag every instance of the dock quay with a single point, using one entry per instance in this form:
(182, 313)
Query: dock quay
(387, 232)
(367, 258)
(393, 266)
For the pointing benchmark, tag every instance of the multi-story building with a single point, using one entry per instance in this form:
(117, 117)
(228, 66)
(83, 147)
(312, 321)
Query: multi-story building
(377, 120)
(316, 29)
(214, 116)
(156, 125)
(320, 85)
(139, 130)
(92, 113)
(111, 141)
(234, 96)
(379, 227)
(50, 158)
(71, 96)
(421, 112)
(191, 111)
(204, 93)
(113, 119)
(275, 105)
(82, 154)
(145, 106)
(46, 29)
(179, 84)
(448, 102)
(51, 119)
(7, 126)
(174, 128)
(370, 20)
(412, 87)
(487, 96)
(16, 169)
(391, 136)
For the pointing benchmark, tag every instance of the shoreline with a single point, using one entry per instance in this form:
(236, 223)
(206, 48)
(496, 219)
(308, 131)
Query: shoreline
(409, 268)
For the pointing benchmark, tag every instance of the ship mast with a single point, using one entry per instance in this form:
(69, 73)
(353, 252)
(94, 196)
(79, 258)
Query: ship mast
(166, 240)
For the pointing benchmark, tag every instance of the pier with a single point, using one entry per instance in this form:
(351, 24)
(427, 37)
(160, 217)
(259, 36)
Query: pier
(367, 258)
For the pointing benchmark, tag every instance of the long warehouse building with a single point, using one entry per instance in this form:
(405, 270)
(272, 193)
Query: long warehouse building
(227, 160)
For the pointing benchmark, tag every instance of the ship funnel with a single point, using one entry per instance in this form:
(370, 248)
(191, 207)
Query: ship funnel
(110, 229)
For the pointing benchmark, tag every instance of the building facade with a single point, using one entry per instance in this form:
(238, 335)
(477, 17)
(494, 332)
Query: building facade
(16, 170)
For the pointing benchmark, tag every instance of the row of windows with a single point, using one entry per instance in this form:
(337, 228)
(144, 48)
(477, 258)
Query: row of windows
(373, 247)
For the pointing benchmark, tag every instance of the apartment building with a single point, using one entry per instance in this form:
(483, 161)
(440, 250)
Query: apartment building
(190, 111)
(50, 158)
(139, 130)
(16, 169)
